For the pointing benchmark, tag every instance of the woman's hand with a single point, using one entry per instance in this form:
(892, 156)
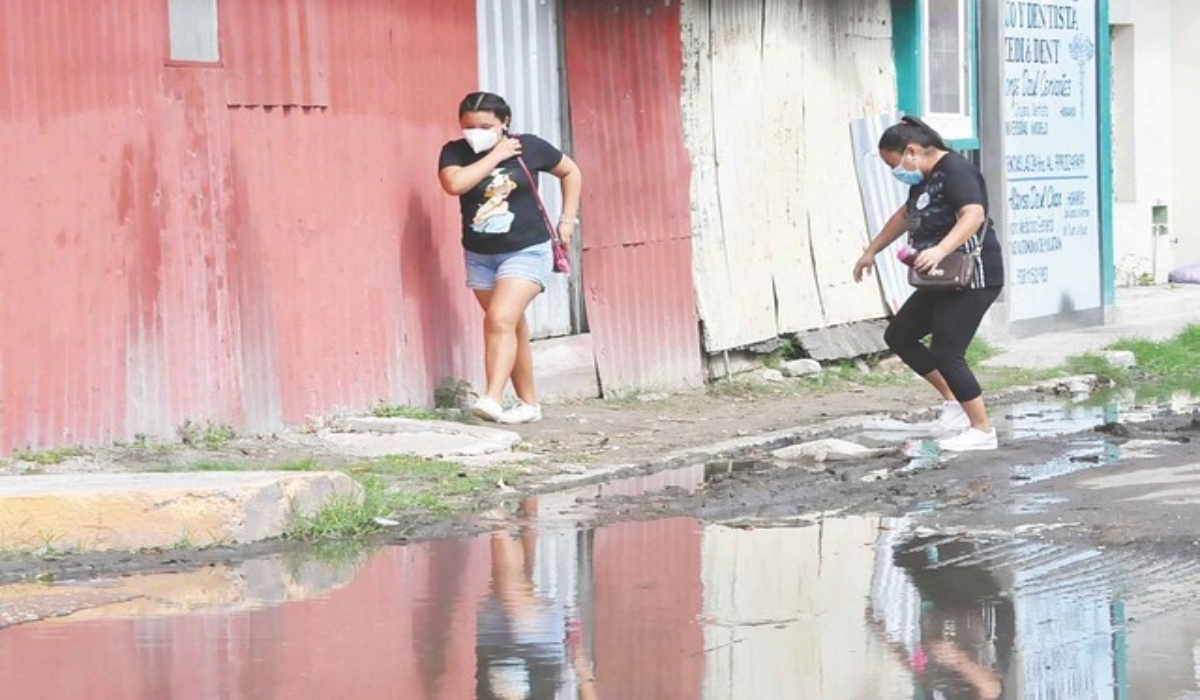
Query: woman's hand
(566, 230)
(929, 258)
(508, 147)
(864, 264)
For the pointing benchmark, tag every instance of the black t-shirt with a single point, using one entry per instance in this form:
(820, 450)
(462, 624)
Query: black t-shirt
(501, 214)
(933, 208)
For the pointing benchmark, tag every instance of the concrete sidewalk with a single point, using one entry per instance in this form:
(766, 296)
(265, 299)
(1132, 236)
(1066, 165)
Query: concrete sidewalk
(129, 511)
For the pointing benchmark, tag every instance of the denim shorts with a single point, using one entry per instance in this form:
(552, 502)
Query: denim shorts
(533, 263)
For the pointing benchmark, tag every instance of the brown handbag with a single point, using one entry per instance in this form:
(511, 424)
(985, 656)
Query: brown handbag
(955, 271)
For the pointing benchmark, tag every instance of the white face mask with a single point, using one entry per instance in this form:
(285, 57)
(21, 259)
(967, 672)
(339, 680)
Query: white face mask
(481, 140)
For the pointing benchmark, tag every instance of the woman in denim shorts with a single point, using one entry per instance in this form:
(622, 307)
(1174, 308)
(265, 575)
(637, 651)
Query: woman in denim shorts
(507, 242)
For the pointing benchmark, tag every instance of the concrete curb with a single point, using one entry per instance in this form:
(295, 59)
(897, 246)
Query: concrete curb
(107, 512)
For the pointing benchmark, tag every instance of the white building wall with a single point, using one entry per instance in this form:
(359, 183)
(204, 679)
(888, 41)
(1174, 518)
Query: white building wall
(1142, 138)
(1185, 79)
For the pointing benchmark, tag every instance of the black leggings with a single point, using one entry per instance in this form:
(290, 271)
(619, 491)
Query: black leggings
(951, 319)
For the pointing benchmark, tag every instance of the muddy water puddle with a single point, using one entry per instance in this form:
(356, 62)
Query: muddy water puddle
(550, 605)
(828, 607)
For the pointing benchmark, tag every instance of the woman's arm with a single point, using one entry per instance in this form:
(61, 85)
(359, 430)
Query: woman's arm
(459, 179)
(970, 219)
(571, 179)
(893, 229)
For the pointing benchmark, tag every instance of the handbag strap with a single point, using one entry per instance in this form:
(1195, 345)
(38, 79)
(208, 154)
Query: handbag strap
(538, 197)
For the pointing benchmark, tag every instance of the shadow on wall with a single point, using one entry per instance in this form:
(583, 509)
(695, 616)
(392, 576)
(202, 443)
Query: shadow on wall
(433, 330)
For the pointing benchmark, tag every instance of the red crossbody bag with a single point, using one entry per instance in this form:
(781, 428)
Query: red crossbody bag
(562, 257)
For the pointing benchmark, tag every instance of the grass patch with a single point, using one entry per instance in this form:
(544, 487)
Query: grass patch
(979, 351)
(384, 410)
(1162, 366)
(48, 457)
(209, 436)
(404, 487)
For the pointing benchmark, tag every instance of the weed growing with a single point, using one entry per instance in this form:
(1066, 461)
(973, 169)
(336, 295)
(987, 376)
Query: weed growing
(404, 487)
(50, 457)
(1162, 366)
(209, 436)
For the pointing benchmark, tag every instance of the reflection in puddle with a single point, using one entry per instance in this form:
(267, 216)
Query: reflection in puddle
(844, 607)
(1085, 454)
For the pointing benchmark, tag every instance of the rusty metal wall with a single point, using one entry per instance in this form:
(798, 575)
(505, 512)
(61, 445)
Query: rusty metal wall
(623, 78)
(166, 256)
(770, 90)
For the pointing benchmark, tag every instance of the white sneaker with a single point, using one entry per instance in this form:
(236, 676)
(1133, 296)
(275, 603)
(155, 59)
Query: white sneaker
(952, 420)
(522, 413)
(487, 408)
(970, 440)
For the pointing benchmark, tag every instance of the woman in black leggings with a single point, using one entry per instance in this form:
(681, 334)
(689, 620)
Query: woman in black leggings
(947, 210)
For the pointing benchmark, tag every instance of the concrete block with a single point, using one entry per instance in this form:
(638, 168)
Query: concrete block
(565, 368)
(801, 368)
(100, 512)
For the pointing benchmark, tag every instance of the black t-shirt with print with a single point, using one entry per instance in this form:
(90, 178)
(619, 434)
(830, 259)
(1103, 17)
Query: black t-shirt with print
(501, 214)
(933, 208)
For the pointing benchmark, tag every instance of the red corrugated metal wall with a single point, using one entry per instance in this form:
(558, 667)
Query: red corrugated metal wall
(624, 68)
(252, 243)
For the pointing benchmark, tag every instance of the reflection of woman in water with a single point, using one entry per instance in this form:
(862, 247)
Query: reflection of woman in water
(968, 626)
(522, 643)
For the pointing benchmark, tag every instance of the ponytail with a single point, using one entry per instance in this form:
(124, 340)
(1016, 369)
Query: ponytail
(908, 131)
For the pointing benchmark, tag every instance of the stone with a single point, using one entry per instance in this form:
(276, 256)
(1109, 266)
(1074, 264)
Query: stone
(801, 368)
(772, 375)
(830, 449)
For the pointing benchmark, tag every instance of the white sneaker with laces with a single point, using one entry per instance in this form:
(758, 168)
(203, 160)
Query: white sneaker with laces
(522, 413)
(487, 408)
(970, 440)
(952, 420)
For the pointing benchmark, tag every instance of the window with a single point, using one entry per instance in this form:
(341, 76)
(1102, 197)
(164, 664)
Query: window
(193, 29)
(936, 44)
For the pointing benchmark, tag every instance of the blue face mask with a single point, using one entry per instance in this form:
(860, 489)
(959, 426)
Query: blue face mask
(906, 176)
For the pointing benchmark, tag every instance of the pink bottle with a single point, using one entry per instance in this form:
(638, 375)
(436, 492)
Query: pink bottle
(907, 255)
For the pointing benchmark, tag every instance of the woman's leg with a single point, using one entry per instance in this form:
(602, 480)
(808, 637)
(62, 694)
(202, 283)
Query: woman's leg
(954, 326)
(506, 336)
(903, 336)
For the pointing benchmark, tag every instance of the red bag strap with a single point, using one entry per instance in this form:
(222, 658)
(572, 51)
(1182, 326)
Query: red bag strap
(538, 197)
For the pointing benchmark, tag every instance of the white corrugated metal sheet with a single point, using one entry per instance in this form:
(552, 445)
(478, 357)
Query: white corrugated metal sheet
(520, 59)
(882, 195)
(770, 89)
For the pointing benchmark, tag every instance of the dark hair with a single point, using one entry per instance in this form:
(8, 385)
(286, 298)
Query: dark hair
(485, 102)
(908, 131)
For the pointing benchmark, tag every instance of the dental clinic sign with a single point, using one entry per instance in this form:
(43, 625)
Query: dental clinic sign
(1051, 163)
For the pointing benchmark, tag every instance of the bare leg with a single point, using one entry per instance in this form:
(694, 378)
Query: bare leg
(977, 412)
(522, 372)
(504, 317)
(938, 382)
(975, 408)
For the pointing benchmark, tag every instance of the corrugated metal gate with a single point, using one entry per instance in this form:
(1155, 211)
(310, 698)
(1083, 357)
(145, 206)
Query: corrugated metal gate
(520, 58)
